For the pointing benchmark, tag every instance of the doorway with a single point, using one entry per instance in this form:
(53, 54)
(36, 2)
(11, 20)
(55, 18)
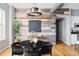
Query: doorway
(59, 28)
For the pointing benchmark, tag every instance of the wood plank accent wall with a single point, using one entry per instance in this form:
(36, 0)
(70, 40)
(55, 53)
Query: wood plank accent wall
(36, 17)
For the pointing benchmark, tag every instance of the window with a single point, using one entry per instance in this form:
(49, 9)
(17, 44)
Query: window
(2, 24)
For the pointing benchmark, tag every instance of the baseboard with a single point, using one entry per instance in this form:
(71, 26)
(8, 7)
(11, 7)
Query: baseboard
(65, 42)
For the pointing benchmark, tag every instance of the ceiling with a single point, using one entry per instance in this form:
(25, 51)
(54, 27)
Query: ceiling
(45, 7)
(30, 5)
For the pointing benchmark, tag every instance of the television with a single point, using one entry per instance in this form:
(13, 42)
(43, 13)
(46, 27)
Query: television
(34, 26)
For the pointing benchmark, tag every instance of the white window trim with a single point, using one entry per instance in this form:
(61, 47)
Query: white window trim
(2, 24)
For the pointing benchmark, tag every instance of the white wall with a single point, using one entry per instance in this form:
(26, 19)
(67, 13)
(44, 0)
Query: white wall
(11, 22)
(68, 30)
(72, 19)
(65, 30)
(74, 6)
(5, 43)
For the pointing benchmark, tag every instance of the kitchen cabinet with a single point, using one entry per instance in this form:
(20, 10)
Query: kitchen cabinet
(73, 38)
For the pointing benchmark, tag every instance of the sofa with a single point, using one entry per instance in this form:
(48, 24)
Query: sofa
(17, 49)
(34, 49)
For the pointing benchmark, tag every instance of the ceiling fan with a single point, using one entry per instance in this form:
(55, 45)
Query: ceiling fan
(34, 11)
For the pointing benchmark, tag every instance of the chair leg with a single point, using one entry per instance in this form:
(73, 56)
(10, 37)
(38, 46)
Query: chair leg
(51, 53)
(12, 54)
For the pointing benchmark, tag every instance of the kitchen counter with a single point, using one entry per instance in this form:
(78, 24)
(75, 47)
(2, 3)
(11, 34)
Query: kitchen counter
(74, 32)
(74, 37)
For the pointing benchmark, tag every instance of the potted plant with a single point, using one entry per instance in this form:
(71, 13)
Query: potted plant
(17, 30)
(34, 38)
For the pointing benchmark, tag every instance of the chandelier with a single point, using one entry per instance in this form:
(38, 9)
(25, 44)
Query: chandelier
(35, 11)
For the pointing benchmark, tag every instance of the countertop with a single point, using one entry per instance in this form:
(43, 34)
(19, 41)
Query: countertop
(74, 32)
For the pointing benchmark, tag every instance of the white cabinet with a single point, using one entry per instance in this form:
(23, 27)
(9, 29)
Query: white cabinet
(73, 38)
(75, 19)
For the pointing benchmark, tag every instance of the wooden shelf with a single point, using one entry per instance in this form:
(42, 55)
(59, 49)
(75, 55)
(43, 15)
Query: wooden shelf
(35, 17)
(62, 11)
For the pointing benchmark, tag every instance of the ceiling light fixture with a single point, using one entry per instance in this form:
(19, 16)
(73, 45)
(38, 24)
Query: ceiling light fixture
(35, 11)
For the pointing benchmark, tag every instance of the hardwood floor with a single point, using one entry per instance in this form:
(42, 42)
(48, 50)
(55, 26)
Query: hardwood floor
(6, 52)
(60, 49)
